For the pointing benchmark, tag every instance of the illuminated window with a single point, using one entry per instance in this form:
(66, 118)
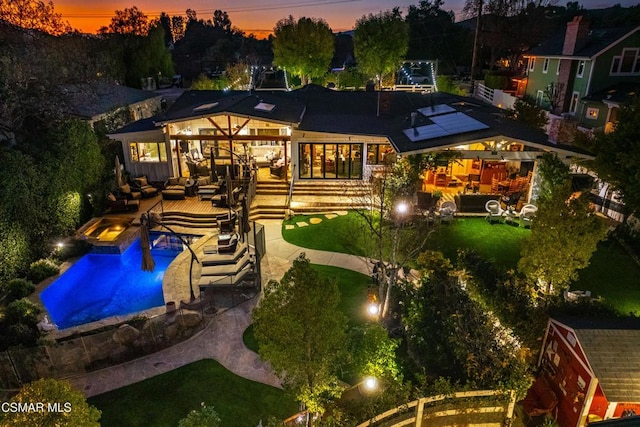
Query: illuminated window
(592, 113)
(148, 151)
(545, 65)
(377, 153)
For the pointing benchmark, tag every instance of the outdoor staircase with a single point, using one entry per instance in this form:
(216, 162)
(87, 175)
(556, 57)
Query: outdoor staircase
(189, 219)
(308, 197)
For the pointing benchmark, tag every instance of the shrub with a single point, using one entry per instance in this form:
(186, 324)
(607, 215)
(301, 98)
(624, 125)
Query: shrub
(22, 311)
(42, 269)
(18, 288)
(72, 249)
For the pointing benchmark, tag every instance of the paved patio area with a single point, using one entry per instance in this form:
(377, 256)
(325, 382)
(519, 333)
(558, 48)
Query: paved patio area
(222, 338)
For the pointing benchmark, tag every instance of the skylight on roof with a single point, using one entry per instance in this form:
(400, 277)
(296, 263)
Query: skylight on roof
(445, 125)
(435, 110)
(205, 106)
(263, 106)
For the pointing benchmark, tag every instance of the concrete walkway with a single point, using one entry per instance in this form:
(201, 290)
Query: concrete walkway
(222, 338)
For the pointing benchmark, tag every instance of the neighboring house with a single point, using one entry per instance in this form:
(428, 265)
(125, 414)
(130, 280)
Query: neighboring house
(103, 102)
(585, 74)
(593, 366)
(324, 134)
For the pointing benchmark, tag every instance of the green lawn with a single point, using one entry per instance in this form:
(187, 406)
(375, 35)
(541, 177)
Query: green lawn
(612, 275)
(165, 399)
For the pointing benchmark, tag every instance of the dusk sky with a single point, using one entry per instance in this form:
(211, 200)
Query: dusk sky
(256, 16)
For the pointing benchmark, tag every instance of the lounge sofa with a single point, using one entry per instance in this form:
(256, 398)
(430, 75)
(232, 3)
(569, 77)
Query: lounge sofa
(129, 193)
(175, 188)
(142, 185)
(207, 189)
(474, 203)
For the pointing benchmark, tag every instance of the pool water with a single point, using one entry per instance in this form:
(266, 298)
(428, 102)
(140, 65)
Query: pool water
(98, 286)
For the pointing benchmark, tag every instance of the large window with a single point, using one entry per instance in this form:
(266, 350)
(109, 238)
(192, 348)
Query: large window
(627, 63)
(377, 153)
(148, 151)
(337, 161)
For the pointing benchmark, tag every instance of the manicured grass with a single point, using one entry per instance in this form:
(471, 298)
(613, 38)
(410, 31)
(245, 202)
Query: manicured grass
(346, 234)
(500, 243)
(165, 399)
(614, 276)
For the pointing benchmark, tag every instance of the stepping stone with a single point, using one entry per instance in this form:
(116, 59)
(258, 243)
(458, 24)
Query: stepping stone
(315, 220)
(342, 213)
(289, 226)
(330, 215)
(302, 224)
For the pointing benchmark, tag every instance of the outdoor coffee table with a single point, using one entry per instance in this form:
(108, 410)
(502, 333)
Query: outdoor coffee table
(510, 216)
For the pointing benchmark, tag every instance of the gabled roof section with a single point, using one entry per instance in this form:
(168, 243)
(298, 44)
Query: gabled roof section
(205, 103)
(611, 347)
(88, 100)
(617, 95)
(143, 125)
(597, 41)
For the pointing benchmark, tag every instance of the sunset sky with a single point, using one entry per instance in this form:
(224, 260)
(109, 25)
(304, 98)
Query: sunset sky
(254, 16)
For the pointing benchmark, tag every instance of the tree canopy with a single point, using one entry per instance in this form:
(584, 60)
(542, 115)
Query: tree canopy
(303, 47)
(617, 155)
(380, 43)
(34, 15)
(130, 21)
(564, 234)
(302, 332)
(72, 409)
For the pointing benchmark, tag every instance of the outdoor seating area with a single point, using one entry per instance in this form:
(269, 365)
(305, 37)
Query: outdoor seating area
(175, 188)
(121, 204)
(142, 185)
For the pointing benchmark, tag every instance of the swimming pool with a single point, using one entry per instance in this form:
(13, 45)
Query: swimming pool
(98, 286)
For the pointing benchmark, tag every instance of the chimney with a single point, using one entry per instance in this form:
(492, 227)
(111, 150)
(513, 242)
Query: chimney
(414, 116)
(576, 35)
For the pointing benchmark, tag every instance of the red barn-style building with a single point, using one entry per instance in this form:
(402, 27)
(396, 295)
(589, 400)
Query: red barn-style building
(593, 366)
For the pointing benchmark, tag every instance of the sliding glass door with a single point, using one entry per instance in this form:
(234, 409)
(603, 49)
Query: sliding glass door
(330, 161)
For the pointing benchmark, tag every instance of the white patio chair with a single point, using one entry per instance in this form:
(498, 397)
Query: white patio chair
(494, 210)
(527, 214)
(447, 211)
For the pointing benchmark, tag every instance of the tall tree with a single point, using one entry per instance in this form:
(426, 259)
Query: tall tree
(302, 332)
(33, 15)
(71, 408)
(128, 21)
(380, 43)
(564, 234)
(304, 47)
(617, 155)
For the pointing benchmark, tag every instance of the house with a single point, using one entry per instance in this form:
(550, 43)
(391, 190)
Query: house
(593, 366)
(104, 102)
(584, 74)
(322, 134)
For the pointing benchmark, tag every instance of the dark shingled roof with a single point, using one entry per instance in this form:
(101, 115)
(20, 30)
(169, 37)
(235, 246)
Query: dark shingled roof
(314, 108)
(142, 125)
(621, 94)
(88, 100)
(611, 347)
(597, 40)
(287, 108)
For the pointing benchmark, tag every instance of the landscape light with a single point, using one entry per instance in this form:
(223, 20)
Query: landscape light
(373, 309)
(370, 383)
(402, 208)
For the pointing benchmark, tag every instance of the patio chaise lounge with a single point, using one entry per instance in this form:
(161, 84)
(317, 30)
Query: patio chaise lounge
(226, 282)
(127, 191)
(214, 258)
(116, 204)
(207, 189)
(142, 185)
(227, 269)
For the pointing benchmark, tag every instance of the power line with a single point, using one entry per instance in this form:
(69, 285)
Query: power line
(232, 10)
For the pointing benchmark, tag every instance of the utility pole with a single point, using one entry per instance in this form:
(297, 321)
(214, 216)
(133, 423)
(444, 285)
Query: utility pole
(474, 59)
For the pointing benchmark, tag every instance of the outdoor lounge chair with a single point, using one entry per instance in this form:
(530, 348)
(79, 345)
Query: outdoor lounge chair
(126, 191)
(228, 246)
(142, 185)
(527, 213)
(227, 222)
(494, 210)
(447, 211)
(121, 204)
